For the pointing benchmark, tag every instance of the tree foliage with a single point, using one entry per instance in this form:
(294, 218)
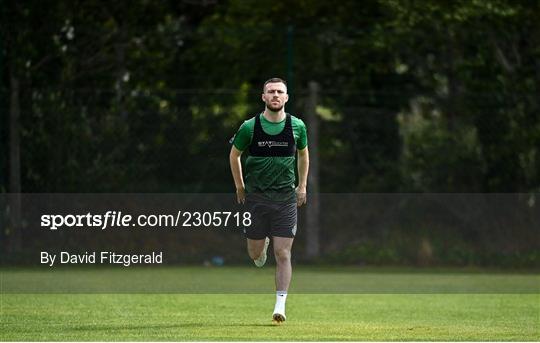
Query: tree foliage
(143, 96)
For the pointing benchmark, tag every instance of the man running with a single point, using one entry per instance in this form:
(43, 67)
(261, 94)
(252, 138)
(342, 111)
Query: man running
(272, 137)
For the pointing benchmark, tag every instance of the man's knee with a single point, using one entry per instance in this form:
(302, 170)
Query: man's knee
(255, 249)
(254, 254)
(282, 254)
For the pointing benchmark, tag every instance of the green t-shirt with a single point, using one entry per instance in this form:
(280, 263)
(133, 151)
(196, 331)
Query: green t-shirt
(272, 177)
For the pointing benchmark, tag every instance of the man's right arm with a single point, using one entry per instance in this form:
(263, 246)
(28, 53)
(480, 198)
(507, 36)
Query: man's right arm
(236, 170)
(240, 143)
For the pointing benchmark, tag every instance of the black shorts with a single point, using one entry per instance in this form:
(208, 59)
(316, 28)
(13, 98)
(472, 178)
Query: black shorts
(270, 218)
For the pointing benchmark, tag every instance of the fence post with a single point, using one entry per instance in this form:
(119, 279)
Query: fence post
(14, 190)
(313, 205)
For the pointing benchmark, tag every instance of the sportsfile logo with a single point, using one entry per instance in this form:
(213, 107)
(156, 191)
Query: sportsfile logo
(272, 143)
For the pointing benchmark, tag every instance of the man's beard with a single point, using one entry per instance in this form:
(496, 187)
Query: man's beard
(274, 108)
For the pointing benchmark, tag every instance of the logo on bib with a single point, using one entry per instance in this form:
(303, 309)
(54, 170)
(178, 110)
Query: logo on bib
(272, 143)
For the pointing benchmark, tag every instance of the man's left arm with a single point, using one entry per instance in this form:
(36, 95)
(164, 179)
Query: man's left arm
(303, 167)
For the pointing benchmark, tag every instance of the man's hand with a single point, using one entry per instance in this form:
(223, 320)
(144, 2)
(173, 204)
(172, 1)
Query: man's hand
(300, 195)
(241, 195)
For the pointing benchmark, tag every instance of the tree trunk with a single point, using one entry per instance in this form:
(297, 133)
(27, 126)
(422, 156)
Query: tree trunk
(313, 205)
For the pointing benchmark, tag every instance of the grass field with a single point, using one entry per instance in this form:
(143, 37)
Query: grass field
(470, 309)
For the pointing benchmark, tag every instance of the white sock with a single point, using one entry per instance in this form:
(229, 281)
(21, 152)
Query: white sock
(281, 298)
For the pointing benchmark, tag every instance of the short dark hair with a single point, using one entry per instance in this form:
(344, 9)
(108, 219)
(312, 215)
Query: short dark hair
(274, 80)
